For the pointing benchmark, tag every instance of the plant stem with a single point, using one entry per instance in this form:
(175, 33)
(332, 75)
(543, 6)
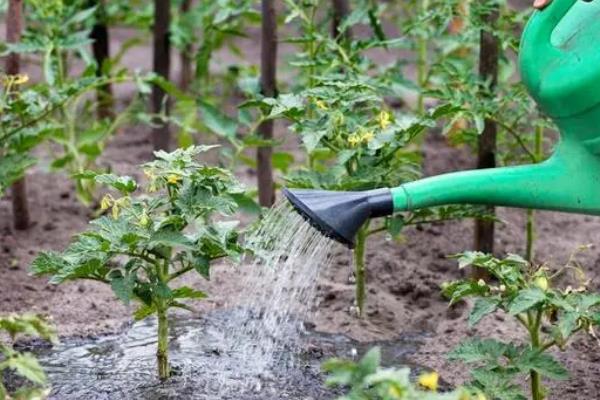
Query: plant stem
(530, 230)
(534, 334)
(162, 353)
(538, 154)
(360, 271)
(422, 64)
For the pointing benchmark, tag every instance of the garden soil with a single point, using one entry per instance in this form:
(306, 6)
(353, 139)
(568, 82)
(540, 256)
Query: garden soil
(403, 276)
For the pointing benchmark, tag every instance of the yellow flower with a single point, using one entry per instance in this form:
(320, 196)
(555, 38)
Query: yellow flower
(384, 119)
(20, 79)
(115, 211)
(106, 202)
(367, 136)
(354, 139)
(429, 380)
(173, 179)
(321, 104)
(481, 283)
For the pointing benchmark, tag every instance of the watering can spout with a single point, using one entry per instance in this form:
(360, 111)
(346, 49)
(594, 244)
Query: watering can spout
(339, 215)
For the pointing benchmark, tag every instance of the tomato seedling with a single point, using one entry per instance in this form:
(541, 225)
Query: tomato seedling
(550, 317)
(180, 221)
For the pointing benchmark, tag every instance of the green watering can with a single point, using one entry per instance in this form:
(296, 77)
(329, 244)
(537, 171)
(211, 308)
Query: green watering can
(560, 66)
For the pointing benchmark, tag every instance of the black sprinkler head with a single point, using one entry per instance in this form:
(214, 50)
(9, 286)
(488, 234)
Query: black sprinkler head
(339, 215)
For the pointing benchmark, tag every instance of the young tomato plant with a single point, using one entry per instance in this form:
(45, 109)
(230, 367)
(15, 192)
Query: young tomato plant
(549, 316)
(367, 380)
(147, 241)
(24, 364)
(353, 139)
(58, 32)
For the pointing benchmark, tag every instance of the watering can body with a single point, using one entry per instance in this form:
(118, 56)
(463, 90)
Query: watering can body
(560, 66)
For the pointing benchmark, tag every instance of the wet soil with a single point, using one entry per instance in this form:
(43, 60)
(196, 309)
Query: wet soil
(203, 366)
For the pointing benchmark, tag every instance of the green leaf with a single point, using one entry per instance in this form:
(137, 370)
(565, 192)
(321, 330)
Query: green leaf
(170, 238)
(123, 288)
(497, 384)
(202, 265)
(217, 121)
(123, 184)
(395, 225)
(483, 306)
(282, 161)
(526, 300)
(246, 204)
(486, 351)
(188, 293)
(144, 312)
(567, 324)
(28, 367)
(371, 361)
(542, 363)
(162, 290)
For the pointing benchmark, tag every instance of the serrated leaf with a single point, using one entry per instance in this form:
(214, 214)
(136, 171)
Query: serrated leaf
(124, 184)
(542, 363)
(202, 265)
(567, 324)
(188, 293)
(144, 312)
(28, 367)
(123, 288)
(482, 307)
(218, 122)
(170, 239)
(526, 300)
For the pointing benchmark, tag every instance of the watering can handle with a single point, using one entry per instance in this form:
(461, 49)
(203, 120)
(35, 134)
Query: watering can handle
(537, 51)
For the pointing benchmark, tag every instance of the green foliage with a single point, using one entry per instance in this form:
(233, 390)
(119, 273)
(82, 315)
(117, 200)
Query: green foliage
(339, 108)
(24, 364)
(367, 380)
(177, 222)
(207, 27)
(525, 292)
(58, 33)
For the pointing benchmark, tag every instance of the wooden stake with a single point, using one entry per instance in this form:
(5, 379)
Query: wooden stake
(486, 158)
(14, 27)
(185, 55)
(341, 9)
(162, 65)
(101, 50)
(266, 185)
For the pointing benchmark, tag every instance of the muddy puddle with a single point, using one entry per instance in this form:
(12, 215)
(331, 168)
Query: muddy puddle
(205, 364)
